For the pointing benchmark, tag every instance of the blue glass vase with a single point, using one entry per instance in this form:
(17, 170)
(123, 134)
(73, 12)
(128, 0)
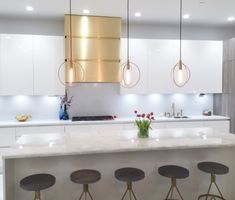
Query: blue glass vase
(61, 113)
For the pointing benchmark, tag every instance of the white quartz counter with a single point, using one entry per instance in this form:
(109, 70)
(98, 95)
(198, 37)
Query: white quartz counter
(43, 145)
(54, 122)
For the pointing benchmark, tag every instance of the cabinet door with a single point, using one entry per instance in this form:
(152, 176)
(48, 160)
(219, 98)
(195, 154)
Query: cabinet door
(204, 58)
(38, 129)
(48, 54)
(77, 128)
(107, 127)
(7, 137)
(184, 124)
(138, 55)
(16, 67)
(161, 60)
(222, 126)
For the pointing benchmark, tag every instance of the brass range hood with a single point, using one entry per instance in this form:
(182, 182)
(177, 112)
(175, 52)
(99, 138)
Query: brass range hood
(96, 46)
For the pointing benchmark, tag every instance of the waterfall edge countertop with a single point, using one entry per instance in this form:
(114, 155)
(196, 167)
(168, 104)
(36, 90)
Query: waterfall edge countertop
(53, 122)
(55, 144)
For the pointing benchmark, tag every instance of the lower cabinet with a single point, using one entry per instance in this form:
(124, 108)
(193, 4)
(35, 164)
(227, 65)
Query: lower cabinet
(38, 129)
(7, 137)
(223, 126)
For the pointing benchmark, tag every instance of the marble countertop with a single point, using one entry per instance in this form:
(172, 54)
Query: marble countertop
(55, 144)
(53, 122)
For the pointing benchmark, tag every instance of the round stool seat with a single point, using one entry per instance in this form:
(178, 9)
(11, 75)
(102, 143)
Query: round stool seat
(85, 176)
(37, 182)
(213, 168)
(173, 171)
(129, 174)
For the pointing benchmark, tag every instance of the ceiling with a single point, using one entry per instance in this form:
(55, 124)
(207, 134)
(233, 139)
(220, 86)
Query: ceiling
(210, 12)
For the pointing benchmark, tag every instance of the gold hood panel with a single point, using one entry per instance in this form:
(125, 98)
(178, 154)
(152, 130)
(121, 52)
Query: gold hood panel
(96, 47)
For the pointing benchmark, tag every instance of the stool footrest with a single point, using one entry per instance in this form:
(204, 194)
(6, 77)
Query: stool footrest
(216, 197)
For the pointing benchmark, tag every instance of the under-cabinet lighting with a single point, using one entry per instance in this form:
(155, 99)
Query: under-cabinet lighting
(230, 19)
(138, 14)
(186, 16)
(86, 11)
(29, 8)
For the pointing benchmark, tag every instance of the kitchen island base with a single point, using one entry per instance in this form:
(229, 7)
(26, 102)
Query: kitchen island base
(152, 187)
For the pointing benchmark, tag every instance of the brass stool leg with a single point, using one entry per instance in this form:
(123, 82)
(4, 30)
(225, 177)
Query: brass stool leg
(85, 192)
(208, 194)
(130, 190)
(171, 191)
(37, 195)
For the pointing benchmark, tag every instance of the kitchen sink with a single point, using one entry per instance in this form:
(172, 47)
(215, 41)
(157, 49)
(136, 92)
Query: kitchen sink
(181, 117)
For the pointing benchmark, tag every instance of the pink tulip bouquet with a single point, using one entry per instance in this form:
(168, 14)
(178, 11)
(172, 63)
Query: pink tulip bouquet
(143, 122)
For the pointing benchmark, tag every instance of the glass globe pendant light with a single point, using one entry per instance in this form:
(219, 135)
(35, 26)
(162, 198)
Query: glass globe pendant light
(73, 65)
(129, 70)
(181, 73)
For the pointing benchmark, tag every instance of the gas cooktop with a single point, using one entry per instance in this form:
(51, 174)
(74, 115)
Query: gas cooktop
(92, 118)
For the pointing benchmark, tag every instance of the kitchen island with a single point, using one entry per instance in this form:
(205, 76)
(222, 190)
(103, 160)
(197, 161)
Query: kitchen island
(61, 154)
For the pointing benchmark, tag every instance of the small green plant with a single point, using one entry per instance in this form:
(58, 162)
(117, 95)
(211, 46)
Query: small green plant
(143, 122)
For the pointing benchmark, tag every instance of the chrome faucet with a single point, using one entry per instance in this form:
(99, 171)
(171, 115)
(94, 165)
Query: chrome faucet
(173, 109)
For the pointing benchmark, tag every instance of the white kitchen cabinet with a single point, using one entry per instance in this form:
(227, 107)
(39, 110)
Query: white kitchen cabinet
(29, 65)
(7, 137)
(223, 126)
(158, 57)
(184, 124)
(77, 128)
(138, 55)
(16, 67)
(93, 128)
(48, 55)
(39, 129)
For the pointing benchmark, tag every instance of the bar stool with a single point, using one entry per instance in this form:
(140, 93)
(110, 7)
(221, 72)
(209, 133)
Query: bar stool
(214, 169)
(174, 172)
(85, 177)
(129, 175)
(36, 183)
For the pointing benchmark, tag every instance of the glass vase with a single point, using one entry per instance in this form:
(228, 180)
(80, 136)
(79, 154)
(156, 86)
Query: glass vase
(143, 133)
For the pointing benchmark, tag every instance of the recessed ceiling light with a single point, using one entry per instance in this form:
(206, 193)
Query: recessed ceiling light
(138, 14)
(230, 19)
(186, 16)
(86, 11)
(29, 8)
(201, 3)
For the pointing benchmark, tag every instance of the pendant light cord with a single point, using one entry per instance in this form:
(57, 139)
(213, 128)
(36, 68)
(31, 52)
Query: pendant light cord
(181, 11)
(70, 37)
(128, 31)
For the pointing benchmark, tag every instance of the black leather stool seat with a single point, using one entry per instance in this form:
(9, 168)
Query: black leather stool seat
(213, 168)
(173, 171)
(129, 174)
(37, 182)
(85, 176)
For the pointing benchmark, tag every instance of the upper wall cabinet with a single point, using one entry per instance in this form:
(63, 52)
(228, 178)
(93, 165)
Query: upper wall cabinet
(29, 64)
(48, 55)
(204, 59)
(16, 65)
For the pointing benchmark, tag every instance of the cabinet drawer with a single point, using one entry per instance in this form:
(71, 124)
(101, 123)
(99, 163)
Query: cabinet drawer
(223, 126)
(39, 129)
(7, 137)
(184, 124)
(77, 128)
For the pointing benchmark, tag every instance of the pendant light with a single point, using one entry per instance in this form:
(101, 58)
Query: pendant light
(181, 73)
(73, 65)
(129, 70)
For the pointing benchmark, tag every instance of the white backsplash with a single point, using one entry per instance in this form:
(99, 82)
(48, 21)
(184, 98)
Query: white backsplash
(102, 99)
